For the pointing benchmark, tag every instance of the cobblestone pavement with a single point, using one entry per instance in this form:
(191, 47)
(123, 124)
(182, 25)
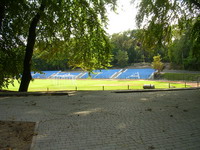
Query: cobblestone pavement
(104, 120)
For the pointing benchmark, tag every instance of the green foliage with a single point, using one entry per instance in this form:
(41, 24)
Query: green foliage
(53, 64)
(184, 51)
(127, 42)
(73, 29)
(157, 64)
(195, 45)
(167, 25)
(10, 66)
(90, 52)
(181, 76)
(11, 39)
(78, 34)
(157, 30)
(122, 58)
(179, 50)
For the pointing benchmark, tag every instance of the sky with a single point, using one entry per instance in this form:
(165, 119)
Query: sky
(124, 19)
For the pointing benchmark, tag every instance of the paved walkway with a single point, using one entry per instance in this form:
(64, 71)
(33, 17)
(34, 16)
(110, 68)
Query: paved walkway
(103, 120)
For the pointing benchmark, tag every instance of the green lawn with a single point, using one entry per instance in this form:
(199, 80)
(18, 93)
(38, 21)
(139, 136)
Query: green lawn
(91, 84)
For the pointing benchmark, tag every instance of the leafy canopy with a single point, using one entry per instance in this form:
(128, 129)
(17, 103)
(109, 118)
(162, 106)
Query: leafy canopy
(72, 29)
(157, 17)
(78, 33)
(164, 22)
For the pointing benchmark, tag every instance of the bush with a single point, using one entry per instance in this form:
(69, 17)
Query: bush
(157, 64)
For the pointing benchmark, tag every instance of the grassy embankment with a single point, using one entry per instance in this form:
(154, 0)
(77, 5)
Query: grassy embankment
(181, 76)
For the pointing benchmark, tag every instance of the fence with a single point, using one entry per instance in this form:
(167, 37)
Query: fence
(93, 84)
(185, 78)
(167, 80)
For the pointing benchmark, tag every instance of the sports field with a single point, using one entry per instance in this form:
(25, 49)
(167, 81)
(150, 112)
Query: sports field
(94, 84)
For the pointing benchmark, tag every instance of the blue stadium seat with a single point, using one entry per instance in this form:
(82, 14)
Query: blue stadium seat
(97, 74)
(67, 75)
(136, 74)
(43, 75)
(101, 74)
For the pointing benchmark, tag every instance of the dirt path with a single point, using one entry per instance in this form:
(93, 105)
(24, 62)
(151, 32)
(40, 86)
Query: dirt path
(16, 135)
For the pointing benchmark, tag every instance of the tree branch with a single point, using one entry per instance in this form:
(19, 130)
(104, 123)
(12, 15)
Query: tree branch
(195, 2)
(2, 12)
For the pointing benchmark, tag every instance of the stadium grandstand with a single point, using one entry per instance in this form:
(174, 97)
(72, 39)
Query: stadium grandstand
(96, 74)
(136, 74)
(44, 74)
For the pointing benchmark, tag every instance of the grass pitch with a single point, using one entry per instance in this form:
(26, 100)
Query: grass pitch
(93, 84)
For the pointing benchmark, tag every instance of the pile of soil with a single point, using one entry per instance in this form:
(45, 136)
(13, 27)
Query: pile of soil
(16, 135)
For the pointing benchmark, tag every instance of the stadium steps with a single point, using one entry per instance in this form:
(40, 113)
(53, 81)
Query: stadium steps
(80, 75)
(151, 76)
(115, 75)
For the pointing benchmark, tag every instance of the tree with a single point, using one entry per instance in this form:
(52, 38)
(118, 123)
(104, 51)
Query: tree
(159, 17)
(157, 64)
(62, 26)
(179, 50)
(122, 58)
(127, 42)
(11, 39)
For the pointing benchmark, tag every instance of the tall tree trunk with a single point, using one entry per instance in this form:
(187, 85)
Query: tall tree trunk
(26, 76)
